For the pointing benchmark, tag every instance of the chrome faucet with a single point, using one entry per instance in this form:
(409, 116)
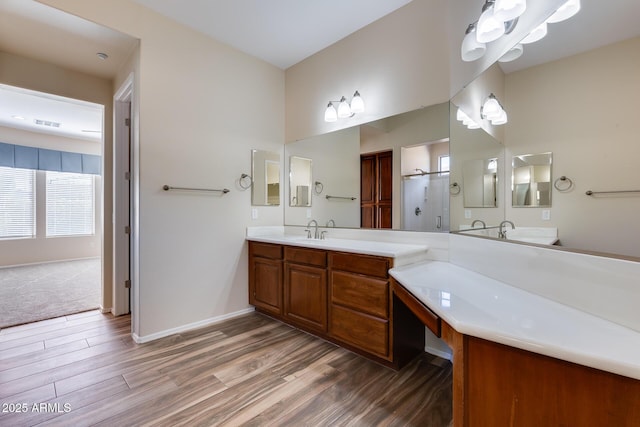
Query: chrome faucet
(331, 223)
(503, 233)
(473, 224)
(315, 233)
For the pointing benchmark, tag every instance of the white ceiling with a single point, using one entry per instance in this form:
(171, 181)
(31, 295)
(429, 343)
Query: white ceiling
(281, 32)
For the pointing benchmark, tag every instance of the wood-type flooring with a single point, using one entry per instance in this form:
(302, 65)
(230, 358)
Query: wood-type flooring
(85, 370)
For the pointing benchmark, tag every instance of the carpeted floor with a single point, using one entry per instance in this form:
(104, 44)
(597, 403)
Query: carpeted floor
(43, 291)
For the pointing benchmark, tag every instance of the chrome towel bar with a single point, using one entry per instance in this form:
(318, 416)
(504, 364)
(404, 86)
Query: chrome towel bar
(591, 193)
(168, 187)
(338, 197)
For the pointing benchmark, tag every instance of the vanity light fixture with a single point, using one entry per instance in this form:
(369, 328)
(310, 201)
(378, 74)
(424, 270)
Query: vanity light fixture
(493, 111)
(566, 11)
(498, 17)
(344, 108)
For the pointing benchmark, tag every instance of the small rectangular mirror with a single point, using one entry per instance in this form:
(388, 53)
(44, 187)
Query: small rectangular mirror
(531, 180)
(479, 179)
(299, 181)
(265, 172)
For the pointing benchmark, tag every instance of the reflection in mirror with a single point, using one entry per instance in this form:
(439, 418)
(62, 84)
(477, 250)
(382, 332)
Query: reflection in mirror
(531, 180)
(265, 174)
(299, 181)
(479, 179)
(476, 162)
(418, 139)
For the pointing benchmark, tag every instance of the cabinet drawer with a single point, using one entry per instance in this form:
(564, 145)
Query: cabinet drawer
(314, 257)
(361, 264)
(265, 250)
(360, 330)
(361, 293)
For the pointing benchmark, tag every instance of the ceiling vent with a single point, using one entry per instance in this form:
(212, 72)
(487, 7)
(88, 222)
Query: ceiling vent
(46, 123)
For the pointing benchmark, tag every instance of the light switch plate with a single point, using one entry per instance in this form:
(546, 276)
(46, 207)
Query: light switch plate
(546, 214)
(308, 213)
(254, 213)
(467, 214)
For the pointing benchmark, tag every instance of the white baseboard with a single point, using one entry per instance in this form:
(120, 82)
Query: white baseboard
(207, 322)
(439, 353)
(104, 310)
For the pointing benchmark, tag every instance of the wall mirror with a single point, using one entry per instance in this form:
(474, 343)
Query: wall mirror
(300, 175)
(420, 137)
(265, 174)
(547, 93)
(531, 180)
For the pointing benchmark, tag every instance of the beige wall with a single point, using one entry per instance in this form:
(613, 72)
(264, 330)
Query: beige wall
(36, 75)
(195, 129)
(584, 109)
(398, 63)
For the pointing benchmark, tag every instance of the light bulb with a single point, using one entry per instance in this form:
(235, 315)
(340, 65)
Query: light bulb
(506, 10)
(357, 104)
(539, 32)
(471, 48)
(565, 11)
(512, 54)
(489, 27)
(343, 108)
(330, 114)
(491, 108)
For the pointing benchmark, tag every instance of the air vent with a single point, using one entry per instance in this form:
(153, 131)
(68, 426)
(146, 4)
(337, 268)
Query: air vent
(46, 123)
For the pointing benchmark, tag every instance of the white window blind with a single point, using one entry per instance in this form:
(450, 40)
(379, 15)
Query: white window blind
(70, 204)
(17, 203)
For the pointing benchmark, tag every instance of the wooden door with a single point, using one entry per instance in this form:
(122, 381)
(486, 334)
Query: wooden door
(265, 284)
(376, 190)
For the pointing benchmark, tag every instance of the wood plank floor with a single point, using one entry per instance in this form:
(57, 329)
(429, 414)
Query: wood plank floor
(85, 369)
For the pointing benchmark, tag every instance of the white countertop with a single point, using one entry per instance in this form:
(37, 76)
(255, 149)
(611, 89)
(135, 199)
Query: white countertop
(482, 307)
(403, 253)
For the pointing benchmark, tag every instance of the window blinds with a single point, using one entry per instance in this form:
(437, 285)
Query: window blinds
(17, 203)
(70, 204)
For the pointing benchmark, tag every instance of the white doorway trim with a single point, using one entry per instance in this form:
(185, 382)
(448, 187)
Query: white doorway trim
(125, 255)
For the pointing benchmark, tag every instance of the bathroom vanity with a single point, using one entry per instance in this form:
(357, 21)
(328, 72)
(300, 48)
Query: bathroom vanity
(339, 291)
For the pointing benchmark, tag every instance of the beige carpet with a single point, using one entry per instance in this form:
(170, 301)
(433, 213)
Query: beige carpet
(43, 291)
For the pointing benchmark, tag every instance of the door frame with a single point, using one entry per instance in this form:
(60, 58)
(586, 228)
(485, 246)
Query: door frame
(125, 254)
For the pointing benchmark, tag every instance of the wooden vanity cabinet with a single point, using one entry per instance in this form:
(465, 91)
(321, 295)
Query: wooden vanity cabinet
(345, 298)
(265, 277)
(305, 287)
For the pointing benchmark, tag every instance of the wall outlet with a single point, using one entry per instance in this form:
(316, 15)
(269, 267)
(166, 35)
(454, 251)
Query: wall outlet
(546, 214)
(308, 213)
(254, 213)
(467, 214)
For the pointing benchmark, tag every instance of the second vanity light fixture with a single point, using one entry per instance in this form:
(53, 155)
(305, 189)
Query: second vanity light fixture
(493, 111)
(344, 108)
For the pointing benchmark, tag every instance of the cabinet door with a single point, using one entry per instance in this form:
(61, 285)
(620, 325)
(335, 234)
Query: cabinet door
(265, 284)
(305, 296)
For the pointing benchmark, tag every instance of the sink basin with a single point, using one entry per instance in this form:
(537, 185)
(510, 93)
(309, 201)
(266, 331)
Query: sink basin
(540, 235)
